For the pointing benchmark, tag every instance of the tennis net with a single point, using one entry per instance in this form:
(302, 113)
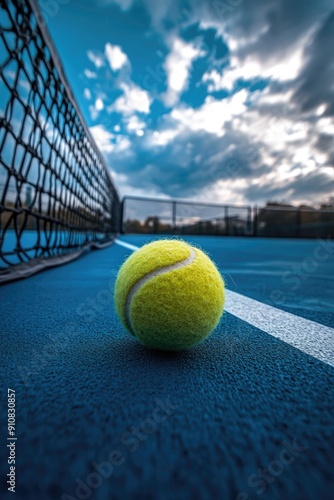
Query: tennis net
(57, 196)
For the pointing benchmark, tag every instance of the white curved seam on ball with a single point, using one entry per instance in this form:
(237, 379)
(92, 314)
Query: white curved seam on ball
(163, 270)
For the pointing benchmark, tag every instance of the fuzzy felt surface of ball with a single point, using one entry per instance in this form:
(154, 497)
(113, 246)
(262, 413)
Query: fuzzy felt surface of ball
(169, 295)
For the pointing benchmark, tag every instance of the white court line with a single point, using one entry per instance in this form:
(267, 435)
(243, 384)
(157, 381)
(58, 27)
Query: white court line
(126, 245)
(308, 336)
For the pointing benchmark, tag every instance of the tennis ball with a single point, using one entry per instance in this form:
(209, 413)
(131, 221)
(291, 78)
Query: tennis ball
(169, 295)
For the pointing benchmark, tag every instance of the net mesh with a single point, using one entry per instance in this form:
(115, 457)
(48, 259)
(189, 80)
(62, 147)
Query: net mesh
(56, 193)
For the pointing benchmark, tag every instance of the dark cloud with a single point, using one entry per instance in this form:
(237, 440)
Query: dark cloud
(271, 27)
(315, 86)
(325, 143)
(257, 194)
(193, 162)
(313, 187)
(287, 23)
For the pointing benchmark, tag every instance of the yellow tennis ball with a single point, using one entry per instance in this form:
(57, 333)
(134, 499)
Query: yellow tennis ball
(169, 295)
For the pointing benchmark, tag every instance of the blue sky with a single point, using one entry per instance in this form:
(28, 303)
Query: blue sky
(227, 101)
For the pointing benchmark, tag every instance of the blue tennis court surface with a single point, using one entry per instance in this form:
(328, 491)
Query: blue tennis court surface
(242, 416)
(295, 275)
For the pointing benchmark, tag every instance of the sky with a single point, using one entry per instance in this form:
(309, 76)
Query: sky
(223, 101)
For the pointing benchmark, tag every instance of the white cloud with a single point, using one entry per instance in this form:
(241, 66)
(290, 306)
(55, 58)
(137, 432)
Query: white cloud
(97, 59)
(268, 97)
(99, 104)
(283, 69)
(96, 108)
(134, 99)
(162, 137)
(90, 74)
(325, 126)
(103, 138)
(93, 112)
(135, 125)
(178, 66)
(126, 187)
(108, 142)
(87, 94)
(212, 115)
(122, 144)
(227, 191)
(116, 57)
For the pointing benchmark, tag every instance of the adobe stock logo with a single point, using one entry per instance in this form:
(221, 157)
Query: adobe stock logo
(263, 478)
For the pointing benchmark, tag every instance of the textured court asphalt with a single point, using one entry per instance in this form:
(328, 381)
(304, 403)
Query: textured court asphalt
(241, 416)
